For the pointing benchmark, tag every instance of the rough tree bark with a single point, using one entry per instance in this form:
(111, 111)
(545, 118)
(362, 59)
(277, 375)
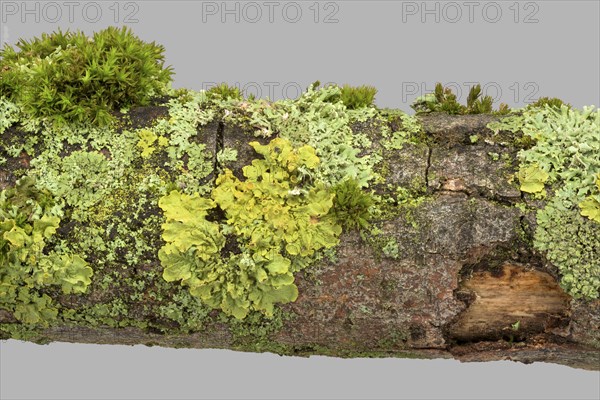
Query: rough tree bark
(466, 272)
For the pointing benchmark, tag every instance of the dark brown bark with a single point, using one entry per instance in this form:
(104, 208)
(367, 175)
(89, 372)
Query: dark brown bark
(467, 283)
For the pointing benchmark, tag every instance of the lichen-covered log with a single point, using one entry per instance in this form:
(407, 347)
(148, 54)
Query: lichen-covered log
(447, 267)
(134, 213)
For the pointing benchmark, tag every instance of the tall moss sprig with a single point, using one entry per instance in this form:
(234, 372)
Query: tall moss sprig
(444, 100)
(69, 77)
(352, 207)
(552, 102)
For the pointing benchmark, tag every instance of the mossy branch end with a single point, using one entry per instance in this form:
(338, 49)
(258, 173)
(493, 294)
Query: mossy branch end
(320, 225)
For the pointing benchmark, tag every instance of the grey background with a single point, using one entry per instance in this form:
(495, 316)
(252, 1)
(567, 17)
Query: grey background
(552, 49)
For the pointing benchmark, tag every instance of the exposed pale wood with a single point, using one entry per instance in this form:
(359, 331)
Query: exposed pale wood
(509, 303)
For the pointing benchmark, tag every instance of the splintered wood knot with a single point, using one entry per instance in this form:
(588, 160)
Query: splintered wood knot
(497, 299)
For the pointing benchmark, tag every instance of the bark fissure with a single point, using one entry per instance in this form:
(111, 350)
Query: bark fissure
(219, 146)
(429, 152)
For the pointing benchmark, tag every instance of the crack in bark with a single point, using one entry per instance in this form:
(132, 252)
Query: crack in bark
(219, 145)
(523, 221)
(480, 194)
(429, 153)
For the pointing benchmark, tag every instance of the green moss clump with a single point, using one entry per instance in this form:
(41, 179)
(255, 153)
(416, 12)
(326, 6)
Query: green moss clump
(352, 207)
(552, 102)
(444, 100)
(224, 92)
(352, 97)
(477, 104)
(358, 97)
(69, 77)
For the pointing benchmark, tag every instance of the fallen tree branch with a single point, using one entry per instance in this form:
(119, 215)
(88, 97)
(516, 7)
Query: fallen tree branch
(463, 280)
